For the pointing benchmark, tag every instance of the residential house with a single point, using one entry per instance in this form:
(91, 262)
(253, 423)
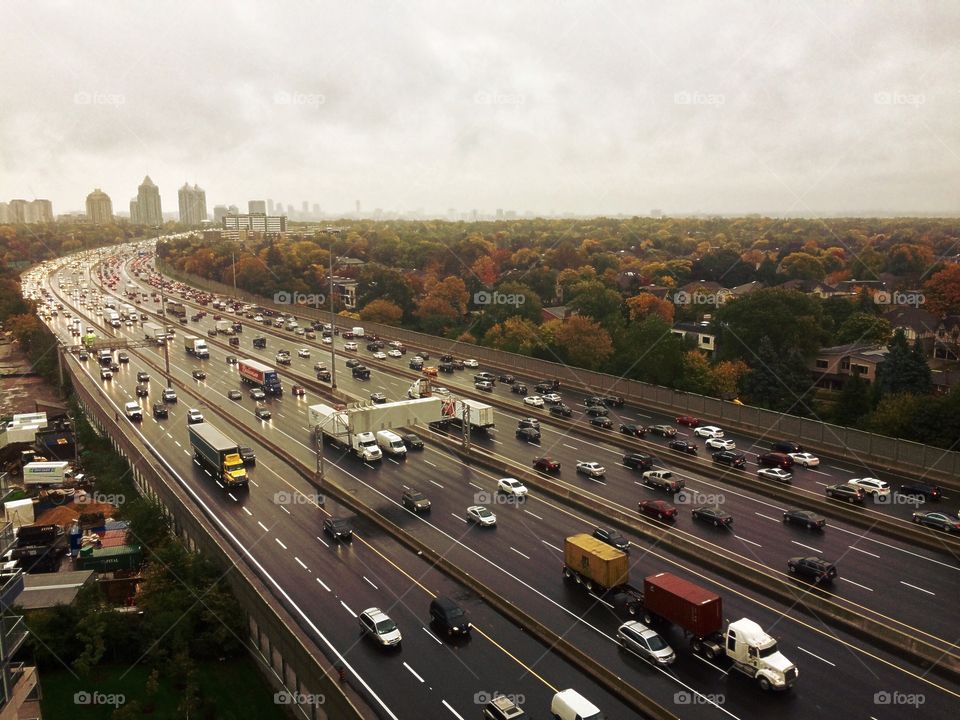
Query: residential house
(915, 323)
(557, 312)
(811, 287)
(946, 344)
(702, 292)
(833, 365)
(700, 332)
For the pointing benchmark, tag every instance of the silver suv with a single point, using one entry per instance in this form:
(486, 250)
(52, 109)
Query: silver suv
(502, 708)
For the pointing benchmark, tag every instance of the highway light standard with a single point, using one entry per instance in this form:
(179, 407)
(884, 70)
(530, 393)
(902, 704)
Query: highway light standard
(333, 318)
(166, 340)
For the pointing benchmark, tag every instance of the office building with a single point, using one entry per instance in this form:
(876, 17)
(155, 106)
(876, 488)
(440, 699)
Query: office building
(4, 212)
(255, 222)
(18, 210)
(41, 211)
(219, 212)
(193, 205)
(256, 207)
(134, 212)
(148, 203)
(99, 208)
(269, 207)
(233, 210)
(316, 211)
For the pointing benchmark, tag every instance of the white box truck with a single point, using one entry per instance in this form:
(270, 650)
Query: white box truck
(152, 331)
(225, 327)
(196, 346)
(47, 473)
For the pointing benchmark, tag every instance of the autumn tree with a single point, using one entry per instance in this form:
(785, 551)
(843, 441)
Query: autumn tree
(382, 311)
(580, 341)
(515, 334)
(443, 306)
(942, 291)
(727, 376)
(645, 304)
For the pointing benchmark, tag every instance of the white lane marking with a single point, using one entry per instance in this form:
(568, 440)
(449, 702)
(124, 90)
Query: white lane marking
(856, 583)
(248, 512)
(819, 552)
(816, 656)
(519, 553)
(412, 671)
(455, 713)
(177, 443)
(569, 446)
(347, 608)
(743, 539)
(280, 543)
(493, 441)
(435, 638)
(551, 546)
(600, 600)
(715, 667)
(301, 563)
(323, 584)
(843, 470)
(284, 509)
(370, 583)
(393, 461)
(265, 528)
(458, 517)
(766, 516)
(232, 497)
(854, 547)
(917, 588)
(254, 482)
(534, 515)
(429, 463)
(436, 483)
(475, 485)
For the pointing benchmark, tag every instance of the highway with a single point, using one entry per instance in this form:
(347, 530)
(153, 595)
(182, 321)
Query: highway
(521, 556)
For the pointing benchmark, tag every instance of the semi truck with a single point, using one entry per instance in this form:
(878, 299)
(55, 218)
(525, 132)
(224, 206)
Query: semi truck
(47, 473)
(152, 331)
(334, 424)
(196, 346)
(114, 317)
(602, 569)
(225, 327)
(261, 376)
(218, 454)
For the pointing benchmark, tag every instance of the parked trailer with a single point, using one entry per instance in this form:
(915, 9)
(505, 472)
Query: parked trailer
(47, 473)
(261, 376)
(218, 453)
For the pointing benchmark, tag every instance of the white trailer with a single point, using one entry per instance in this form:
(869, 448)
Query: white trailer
(478, 414)
(335, 426)
(225, 327)
(152, 331)
(46, 473)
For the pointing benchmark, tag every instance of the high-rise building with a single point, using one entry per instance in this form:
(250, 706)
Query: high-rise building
(148, 203)
(18, 211)
(233, 210)
(41, 211)
(134, 212)
(305, 209)
(4, 212)
(316, 211)
(99, 208)
(219, 211)
(358, 207)
(269, 207)
(255, 222)
(193, 205)
(256, 206)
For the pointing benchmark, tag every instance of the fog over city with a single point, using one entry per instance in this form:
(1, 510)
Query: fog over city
(545, 107)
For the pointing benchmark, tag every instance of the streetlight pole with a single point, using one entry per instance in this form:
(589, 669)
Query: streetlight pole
(333, 317)
(163, 320)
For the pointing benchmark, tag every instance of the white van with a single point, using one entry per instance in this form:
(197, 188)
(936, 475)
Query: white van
(391, 443)
(571, 705)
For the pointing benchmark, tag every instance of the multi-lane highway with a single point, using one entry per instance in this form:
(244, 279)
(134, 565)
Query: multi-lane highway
(520, 559)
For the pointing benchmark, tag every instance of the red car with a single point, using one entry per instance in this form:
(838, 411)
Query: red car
(298, 391)
(688, 420)
(545, 464)
(660, 509)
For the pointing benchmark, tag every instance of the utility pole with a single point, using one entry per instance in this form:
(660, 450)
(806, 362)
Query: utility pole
(163, 317)
(333, 317)
(466, 427)
(233, 262)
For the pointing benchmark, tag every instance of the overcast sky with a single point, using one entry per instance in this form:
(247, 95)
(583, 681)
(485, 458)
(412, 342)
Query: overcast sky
(581, 107)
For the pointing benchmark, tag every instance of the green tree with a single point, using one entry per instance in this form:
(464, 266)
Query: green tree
(803, 266)
(649, 351)
(896, 415)
(790, 320)
(595, 300)
(696, 376)
(864, 328)
(778, 381)
(904, 369)
(854, 402)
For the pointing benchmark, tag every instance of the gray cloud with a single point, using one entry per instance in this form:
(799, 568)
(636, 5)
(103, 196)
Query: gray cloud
(570, 106)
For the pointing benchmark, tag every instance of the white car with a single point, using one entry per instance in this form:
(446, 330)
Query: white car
(552, 398)
(720, 444)
(480, 515)
(511, 486)
(708, 431)
(350, 346)
(394, 353)
(593, 469)
(872, 486)
(304, 352)
(440, 390)
(327, 341)
(533, 401)
(378, 355)
(471, 364)
(805, 459)
(776, 474)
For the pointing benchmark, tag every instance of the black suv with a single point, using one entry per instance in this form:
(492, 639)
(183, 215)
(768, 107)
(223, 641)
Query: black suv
(812, 568)
(845, 491)
(528, 434)
(449, 617)
(338, 528)
(635, 430)
(683, 446)
(247, 454)
(638, 461)
(597, 411)
(561, 410)
(259, 342)
(519, 389)
(919, 489)
(728, 457)
(160, 410)
(415, 500)
(786, 446)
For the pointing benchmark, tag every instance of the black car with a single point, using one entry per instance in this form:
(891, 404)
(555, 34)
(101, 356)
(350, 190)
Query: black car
(508, 379)
(231, 359)
(361, 372)
(143, 377)
(808, 519)
(612, 401)
(662, 430)
(683, 446)
(528, 423)
(234, 342)
(415, 500)
(142, 391)
(922, 490)
(786, 446)
(602, 422)
(634, 430)
(597, 411)
(247, 455)
(338, 528)
(937, 521)
(519, 389)
(160, 410)
(545, 386)
(83, 356)
(731, 458)
(260, 342)
(845, 491)
(713, 515)
(812, 568)
(199, 375)
(593, 401)
(353, 362)
(323, 375)
(413, 442)
(449, 617)
(445, 367)
(561, 410)
(262, 413)
(528, 434)
(123, 357)
(638, 461)
(612, 537)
